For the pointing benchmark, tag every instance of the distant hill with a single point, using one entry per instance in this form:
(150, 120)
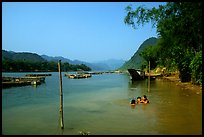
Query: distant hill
(136, 60)
(56, 59)
(93, 66)
(26, 56)
(110, 64)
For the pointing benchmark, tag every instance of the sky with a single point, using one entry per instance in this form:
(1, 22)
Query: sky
(86, 31)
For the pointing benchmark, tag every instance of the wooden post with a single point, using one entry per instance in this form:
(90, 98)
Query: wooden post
(61, 96)
(149, 78)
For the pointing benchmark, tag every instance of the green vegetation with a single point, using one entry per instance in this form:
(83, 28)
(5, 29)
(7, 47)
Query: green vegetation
(29, 66)
(179, 27)
(29, 62)
(26, 56)
(136, 61)
(149, 54)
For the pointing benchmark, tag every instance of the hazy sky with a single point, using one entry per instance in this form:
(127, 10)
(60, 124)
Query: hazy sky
(86, 31)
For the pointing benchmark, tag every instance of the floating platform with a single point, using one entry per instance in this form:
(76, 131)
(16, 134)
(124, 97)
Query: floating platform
(78, 76)
(37, 75)
(152, 76)
(21, 81)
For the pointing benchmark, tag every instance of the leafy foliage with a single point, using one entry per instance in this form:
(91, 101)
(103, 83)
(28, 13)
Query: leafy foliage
(196, 67)
(150, 54)
(179, 27)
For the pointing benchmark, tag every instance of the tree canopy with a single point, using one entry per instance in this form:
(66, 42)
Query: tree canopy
(9, 65)
(179, 28)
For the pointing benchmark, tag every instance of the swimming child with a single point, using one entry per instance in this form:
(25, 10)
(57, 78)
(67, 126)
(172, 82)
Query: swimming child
(133, 101)
(139, 100)
(144, 99)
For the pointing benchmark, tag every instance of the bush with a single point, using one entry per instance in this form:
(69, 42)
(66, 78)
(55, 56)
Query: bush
(196, 67)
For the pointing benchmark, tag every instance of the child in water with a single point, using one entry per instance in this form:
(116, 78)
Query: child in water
(144, 99)
(133, 102)
(139, 100)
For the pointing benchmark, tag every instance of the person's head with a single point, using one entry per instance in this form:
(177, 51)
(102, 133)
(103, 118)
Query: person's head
(144, 97)
(138, 98)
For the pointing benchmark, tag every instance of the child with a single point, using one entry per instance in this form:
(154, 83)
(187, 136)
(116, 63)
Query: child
(133, 102)
(144, 99)
(139, 100)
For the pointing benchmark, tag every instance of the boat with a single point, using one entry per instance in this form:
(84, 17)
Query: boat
(136, 74)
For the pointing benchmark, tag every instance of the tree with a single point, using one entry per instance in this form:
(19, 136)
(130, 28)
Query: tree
(150, 54)
(197, 68)
(179, 26)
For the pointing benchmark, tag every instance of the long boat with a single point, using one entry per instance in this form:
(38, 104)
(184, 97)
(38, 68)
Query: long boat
(137, 74)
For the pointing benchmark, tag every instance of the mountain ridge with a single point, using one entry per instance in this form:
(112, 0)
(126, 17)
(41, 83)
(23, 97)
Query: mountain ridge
(135, 62)
(110, 64)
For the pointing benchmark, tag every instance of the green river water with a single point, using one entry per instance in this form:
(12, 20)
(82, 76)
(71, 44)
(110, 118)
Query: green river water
(100, 105)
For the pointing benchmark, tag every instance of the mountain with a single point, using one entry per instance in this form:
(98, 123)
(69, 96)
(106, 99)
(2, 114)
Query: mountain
(26, 56)
(136, 60)
(56, 59)
(110, 64)
(93, 66)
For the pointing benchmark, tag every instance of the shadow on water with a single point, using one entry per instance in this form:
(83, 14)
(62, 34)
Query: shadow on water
(137, 88)
(17, 86)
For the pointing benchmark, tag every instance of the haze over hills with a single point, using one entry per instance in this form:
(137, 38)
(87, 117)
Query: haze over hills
(111, 64)
(136, 60)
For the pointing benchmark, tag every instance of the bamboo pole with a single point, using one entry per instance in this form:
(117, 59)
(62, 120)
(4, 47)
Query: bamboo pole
(61, 96)
(149, 78)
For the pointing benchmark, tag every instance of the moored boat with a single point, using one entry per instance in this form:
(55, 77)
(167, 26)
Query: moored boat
(136, 74)
(140, 75)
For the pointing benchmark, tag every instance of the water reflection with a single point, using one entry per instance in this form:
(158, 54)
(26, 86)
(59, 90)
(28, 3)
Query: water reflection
(137, 88)
(172, 110)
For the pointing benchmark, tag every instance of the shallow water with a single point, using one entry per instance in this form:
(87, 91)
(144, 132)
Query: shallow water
(100, 105)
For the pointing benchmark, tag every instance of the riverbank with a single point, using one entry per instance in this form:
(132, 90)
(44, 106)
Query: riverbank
(185, 85)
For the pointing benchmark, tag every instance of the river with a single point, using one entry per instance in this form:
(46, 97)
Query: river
(100, 105)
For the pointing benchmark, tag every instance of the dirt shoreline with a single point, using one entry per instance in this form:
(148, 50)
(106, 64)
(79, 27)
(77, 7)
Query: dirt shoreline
(184, 85)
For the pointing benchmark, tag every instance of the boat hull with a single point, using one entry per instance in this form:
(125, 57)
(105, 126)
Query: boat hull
(136, 75)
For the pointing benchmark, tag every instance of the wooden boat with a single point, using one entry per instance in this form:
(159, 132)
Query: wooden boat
(136, 74)
(140, 75)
